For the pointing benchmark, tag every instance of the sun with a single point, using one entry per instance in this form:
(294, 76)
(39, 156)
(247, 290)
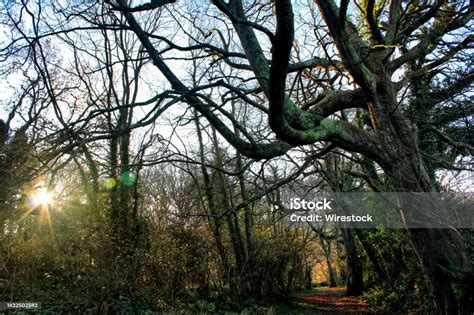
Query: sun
(42, 197)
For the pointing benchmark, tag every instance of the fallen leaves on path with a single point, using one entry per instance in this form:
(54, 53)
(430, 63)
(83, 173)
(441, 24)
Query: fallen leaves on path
(334, 301)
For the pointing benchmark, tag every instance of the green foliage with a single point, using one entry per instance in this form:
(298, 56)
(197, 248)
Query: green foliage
(402, 287)
(397, 297)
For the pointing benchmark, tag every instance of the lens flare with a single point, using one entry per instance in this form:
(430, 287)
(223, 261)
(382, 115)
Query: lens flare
(42, 197)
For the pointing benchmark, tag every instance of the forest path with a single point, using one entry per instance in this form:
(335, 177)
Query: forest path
(333, 301)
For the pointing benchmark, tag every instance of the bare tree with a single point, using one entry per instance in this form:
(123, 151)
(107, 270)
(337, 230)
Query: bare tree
(409, 30)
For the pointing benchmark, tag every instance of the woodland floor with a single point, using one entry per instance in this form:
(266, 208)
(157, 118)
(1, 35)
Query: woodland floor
(333, 301)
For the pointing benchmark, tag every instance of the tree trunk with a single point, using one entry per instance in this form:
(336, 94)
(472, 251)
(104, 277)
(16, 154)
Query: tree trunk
(214, 224)
(371, 254)
(248, 220)
(355, 280)
(440, 251)
(248, 216)
(327, 253)
(235, 233)
(438, 256)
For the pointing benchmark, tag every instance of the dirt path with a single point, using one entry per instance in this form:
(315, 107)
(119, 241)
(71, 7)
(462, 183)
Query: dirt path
(333, 301)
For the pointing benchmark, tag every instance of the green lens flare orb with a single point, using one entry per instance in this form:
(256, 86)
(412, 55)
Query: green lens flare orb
(110, 183)
(128, 178)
